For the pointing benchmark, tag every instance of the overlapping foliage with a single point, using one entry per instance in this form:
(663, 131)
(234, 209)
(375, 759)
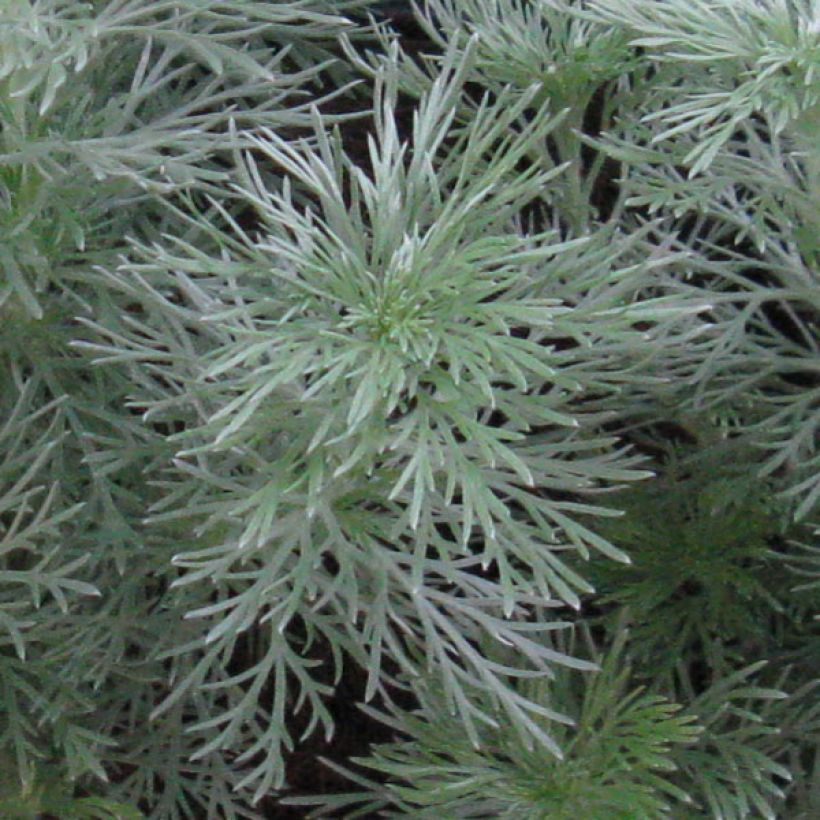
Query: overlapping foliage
(318, 355)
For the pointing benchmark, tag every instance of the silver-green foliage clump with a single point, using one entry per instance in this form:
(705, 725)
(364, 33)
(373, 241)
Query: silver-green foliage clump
(106, 108)
(348, 365)
(317, 356)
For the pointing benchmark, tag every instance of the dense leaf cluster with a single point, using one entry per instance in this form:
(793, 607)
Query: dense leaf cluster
(491, 371)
